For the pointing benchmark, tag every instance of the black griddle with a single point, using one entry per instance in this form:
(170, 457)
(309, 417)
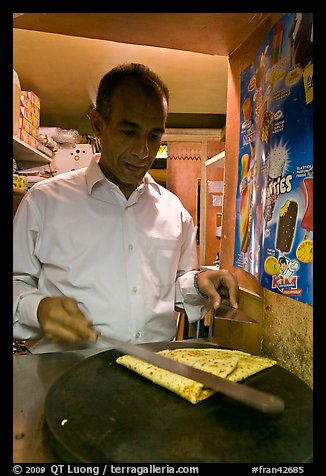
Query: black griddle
(100, 412)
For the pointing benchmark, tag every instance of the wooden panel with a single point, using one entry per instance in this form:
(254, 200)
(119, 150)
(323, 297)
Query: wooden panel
(241, 335)
(182, 178)
(212, 242)
(210, 33)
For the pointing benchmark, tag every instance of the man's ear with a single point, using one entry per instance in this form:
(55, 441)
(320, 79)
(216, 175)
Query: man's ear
(97, 122)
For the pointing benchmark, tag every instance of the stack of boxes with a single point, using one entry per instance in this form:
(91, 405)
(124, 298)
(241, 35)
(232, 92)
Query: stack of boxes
(29, 118)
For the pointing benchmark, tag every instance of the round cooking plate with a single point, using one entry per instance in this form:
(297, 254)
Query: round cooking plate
(100, 411)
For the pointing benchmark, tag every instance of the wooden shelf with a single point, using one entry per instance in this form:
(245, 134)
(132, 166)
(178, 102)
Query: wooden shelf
(217, 160)
(25, 152)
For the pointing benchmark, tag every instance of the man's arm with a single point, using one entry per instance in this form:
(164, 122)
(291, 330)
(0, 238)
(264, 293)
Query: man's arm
(213, 284)
(26, 271)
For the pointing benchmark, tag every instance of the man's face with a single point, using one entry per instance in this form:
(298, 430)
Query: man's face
(131, 137)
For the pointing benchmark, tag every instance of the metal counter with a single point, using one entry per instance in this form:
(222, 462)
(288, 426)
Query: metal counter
(32, 377)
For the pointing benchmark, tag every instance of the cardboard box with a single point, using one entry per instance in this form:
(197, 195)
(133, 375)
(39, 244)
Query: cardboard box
(35, 121)
(27, 138)
(35, 111)
(28, 127)
(25, 112)
(29, 116)
(25, 102)
(35, 100)
(25, 124)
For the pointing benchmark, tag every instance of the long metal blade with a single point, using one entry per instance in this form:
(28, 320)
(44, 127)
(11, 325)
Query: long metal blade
(262, 401)
(229, 313)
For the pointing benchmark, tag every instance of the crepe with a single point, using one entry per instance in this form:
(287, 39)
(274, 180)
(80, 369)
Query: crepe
(233, 365)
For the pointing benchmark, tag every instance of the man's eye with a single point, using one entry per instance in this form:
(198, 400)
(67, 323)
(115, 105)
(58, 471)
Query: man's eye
(128, 132)
(156, 137)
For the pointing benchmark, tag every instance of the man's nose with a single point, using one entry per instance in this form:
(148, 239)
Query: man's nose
(140, 147)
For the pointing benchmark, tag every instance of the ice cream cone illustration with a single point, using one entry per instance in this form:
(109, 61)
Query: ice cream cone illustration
(244, 202)
(276, 49)
(273, 72)
(277, 43)
(266, 126)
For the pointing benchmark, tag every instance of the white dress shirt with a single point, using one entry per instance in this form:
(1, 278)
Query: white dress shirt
(126, 262)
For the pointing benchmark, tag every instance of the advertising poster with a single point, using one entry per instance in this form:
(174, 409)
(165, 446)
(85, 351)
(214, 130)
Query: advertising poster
(274, 215)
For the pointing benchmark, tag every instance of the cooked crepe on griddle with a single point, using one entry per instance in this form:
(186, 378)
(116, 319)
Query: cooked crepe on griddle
(233, 365)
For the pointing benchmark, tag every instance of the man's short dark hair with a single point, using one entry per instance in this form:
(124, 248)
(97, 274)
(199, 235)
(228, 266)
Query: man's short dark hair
(150, 80)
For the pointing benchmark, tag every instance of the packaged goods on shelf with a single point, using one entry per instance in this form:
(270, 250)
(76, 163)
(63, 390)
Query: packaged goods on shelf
(61, 135)
(16, 102)
(28, 127)
(35, 100)
(29, 118)
(35, 121)
(20, 181)
(35, 111)
(25, 112)
(46, 150)
(33, 179)
(25, 101)
(15, 180)
(27, 138)
(32, 176)
(47, 141)
(30, 101)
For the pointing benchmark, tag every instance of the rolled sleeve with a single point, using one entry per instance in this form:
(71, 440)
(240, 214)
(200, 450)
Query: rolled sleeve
(26, 324)
(189, 299)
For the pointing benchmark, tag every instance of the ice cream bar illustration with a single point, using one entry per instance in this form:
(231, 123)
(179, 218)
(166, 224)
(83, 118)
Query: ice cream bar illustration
(286, 226)
(267, 125)
(307, 220)
(244, 203)
(277, 43)
(275, 58)
(276, 161)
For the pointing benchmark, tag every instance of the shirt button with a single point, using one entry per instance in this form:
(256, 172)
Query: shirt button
(130, 247)
(134, 289)
(138, 335)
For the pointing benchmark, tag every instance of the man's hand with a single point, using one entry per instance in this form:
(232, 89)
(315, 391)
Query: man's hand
(218, 285)
(62, 320)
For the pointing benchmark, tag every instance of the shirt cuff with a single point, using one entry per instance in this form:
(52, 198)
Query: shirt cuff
(187, 295)
(27, 310)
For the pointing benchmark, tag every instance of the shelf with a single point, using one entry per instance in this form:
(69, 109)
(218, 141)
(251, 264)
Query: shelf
(217, 160)
(25, 152)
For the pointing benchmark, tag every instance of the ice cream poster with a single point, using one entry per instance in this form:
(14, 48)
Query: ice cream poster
(274, 215)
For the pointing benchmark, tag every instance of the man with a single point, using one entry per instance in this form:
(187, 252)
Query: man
(106, 250)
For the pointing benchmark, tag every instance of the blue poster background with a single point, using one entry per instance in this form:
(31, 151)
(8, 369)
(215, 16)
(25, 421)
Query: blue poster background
(274, 203)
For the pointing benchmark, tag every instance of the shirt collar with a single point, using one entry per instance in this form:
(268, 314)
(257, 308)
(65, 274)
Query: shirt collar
(94, 175)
